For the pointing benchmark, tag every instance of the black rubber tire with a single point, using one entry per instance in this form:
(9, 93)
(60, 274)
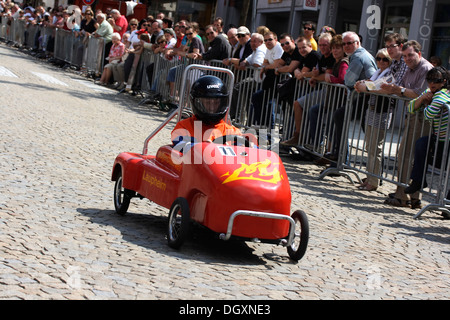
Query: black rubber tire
(122, 196)
(179, 223)
(298, 247)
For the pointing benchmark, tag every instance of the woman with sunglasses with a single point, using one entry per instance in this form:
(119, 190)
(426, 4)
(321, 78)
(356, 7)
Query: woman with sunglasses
(194, 43)
(132, 26)
(433, 101)
(378, 120)
(88, 24)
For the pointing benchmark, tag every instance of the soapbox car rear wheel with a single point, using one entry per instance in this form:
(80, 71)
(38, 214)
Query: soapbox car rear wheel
(179, 223)
(236, 139)
(122, 196)
(297, 248)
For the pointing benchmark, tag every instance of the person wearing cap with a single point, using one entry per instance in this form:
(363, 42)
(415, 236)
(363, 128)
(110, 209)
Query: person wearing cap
(244, 49)
(119, 22)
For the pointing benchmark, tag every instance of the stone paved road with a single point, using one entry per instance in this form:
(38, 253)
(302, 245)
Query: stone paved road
(59, 237)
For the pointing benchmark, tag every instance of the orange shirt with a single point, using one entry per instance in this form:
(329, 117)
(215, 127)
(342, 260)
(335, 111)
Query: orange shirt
(192, 127)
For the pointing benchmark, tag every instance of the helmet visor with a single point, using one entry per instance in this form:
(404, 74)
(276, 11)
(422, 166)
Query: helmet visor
(208, 105)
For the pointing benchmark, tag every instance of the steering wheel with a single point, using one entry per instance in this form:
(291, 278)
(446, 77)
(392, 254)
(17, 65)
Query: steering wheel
(235, 139)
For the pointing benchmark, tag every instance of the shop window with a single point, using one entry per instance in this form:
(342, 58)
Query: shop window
(397, 19)
(440, 41)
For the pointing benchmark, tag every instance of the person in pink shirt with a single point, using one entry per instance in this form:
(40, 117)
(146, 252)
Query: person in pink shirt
(115, 57)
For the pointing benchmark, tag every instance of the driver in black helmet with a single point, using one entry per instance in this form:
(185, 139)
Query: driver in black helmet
(209, 99)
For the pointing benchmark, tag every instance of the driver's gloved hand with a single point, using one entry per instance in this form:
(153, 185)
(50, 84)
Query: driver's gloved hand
(184, 144)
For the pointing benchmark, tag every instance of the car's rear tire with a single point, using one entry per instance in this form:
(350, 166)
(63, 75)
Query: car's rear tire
(122, 196)
(179, 223)
(298, 247)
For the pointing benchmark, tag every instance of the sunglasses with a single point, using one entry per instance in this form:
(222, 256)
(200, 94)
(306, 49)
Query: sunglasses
(392, 46)
(307, 28)
(161, 42)
(189, 34)
(435, 80)
(382, 59)
(285, 44)
(209, 33)
(241, 35)
(265, 40)
(349, 43)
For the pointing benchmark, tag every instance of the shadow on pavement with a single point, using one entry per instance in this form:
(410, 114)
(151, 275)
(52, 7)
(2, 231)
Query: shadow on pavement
(149, 231)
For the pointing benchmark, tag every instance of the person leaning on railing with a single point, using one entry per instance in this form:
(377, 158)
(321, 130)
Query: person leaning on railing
(219, 48)
(192, 48)
(337, 76)
(361, 66)
(314, 67)
(436, 100)
(378, 120)
(412, 85)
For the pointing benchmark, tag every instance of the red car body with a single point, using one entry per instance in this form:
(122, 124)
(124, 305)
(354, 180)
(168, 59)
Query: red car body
(216, 180)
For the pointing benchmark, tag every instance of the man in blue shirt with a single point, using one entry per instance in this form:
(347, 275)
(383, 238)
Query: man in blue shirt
(361, 66)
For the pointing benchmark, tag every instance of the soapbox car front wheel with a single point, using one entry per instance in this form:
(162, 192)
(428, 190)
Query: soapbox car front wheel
(235, 139)
(179, 223)
(122, 196)
(298, 246)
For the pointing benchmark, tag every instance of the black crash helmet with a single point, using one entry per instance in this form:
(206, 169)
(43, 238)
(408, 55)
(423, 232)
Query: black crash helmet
(209, 98)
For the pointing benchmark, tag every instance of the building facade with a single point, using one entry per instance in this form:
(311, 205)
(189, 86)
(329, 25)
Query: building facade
(427, 21)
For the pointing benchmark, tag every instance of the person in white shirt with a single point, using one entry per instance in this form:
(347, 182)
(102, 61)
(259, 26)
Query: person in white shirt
(256, 59)
(273, 53)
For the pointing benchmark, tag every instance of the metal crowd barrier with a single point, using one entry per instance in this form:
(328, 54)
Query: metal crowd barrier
(373, 128)
(437, 174)
(3, 27)
(77, 51)
(372, 145)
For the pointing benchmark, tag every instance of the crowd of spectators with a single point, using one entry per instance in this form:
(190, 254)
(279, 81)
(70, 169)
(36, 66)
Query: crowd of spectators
(323, 56)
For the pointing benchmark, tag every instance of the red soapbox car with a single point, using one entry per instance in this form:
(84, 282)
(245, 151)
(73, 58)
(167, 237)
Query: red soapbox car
(237, 190)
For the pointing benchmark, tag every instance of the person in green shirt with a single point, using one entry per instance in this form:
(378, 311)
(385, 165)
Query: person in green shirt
(434, 103)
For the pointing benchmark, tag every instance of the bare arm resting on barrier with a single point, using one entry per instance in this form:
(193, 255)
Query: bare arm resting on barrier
(423, 100)
(287, 68)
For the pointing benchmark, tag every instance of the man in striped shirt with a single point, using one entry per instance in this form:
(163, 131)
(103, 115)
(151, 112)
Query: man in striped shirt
(437, 100)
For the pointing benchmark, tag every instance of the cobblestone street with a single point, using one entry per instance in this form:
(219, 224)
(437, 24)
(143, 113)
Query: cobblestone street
(61, 239)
